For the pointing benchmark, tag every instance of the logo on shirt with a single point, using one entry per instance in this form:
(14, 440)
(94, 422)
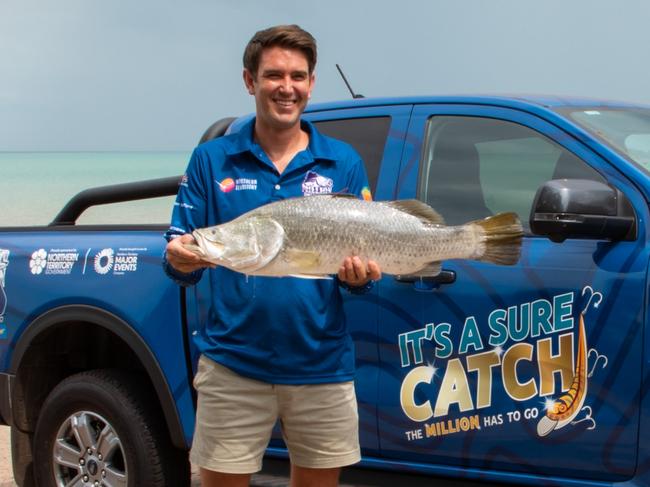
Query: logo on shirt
(239, 184)
(314, 183)
(227, 185)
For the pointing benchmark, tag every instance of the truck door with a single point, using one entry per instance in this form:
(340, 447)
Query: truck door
(377, 134)
(474, 365)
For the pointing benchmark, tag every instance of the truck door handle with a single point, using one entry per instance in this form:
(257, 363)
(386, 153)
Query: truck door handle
(445, 277)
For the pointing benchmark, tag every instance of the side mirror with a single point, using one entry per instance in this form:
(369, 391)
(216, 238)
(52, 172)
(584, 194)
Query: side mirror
(581, 208)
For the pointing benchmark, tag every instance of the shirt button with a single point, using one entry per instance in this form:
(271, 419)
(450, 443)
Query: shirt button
(277, 186)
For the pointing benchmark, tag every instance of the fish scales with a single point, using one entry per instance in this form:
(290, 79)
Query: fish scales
(313, 235)
(340, 227)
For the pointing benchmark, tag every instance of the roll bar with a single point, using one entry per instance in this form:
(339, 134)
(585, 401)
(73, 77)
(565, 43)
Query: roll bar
(137, 190)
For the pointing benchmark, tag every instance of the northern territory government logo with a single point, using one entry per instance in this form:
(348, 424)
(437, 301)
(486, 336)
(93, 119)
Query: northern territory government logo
(53, 261)
(314, 183)
(239, 184)
(4, 263)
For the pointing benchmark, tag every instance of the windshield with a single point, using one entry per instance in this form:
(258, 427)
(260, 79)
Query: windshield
(626, 129)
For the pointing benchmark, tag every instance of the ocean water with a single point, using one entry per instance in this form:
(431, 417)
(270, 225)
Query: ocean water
(35, 186)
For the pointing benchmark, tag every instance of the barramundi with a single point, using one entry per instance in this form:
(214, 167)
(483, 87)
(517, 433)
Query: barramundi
(311, 236)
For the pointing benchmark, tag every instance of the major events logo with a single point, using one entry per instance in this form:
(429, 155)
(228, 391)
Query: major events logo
(104, 261)
(117, 261)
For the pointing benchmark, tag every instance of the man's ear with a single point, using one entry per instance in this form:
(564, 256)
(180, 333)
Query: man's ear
(312, 82)
(249, 81)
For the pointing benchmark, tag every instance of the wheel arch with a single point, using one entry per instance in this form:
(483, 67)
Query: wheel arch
(29, 391)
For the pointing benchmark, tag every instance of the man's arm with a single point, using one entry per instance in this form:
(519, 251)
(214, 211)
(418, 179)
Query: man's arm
(190, 212)
(182, 266)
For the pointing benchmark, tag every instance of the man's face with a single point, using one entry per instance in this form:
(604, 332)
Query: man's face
(281, 88)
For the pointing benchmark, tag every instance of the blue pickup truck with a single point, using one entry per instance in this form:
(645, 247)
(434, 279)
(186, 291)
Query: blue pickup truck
(535, 373)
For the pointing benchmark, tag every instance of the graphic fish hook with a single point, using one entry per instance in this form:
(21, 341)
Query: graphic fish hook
(593, 294)
(598, 357)
(586, 418)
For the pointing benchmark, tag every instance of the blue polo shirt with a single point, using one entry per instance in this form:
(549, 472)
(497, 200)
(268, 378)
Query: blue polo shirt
(282, 330)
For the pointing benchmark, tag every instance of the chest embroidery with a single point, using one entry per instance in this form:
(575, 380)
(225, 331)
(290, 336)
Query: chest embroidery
(314, 183)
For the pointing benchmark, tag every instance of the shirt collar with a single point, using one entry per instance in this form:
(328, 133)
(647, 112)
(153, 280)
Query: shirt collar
(319, 147)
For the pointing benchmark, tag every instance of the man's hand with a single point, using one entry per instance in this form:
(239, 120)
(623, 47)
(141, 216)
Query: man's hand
(182, 259)
(354, 272)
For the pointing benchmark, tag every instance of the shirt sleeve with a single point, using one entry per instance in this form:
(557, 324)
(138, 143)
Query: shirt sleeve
(189, 213)
(366, 288)
(181, 278)
(358, 179)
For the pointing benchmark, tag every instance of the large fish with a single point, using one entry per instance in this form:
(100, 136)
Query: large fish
(311, 236)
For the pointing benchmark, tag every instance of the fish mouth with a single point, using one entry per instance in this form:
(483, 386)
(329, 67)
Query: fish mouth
(218, 247)
(212, 247)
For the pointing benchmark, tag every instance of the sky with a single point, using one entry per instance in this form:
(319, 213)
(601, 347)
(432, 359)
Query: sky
(102, 75)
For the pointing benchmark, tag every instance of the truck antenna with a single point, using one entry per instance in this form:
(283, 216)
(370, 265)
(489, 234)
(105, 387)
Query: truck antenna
(354, 95)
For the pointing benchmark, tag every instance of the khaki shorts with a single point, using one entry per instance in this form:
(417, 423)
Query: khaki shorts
(235, 418)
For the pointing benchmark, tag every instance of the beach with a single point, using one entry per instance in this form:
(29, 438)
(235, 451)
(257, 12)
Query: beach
(37, 185)
(6, 475)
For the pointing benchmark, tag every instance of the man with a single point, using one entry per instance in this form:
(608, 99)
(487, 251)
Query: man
(274, 348)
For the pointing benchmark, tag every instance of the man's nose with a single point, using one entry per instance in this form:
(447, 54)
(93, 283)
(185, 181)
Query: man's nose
(286, 84)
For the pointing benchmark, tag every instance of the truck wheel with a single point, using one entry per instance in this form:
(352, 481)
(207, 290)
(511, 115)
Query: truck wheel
(99, 428)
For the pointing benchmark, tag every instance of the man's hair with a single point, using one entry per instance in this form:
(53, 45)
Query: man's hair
(286, 36)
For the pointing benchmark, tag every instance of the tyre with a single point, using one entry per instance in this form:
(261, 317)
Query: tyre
(21, 458)
(101, 428)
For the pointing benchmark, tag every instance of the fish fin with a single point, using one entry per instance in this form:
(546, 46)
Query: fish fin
(311, 276)
(244, 262)
(432, 269)
(503, 237)
(417, 209)
(303, 259)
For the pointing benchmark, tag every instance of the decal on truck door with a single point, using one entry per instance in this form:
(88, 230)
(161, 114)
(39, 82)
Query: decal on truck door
(527, 369)
(53, 261)
(566, 408)
(4, 263)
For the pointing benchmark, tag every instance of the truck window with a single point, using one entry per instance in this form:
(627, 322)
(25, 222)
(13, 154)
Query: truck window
(366, 135)
(476, 167)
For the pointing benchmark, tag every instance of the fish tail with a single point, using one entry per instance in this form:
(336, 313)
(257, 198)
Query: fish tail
(502, 238)
(568, 405)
